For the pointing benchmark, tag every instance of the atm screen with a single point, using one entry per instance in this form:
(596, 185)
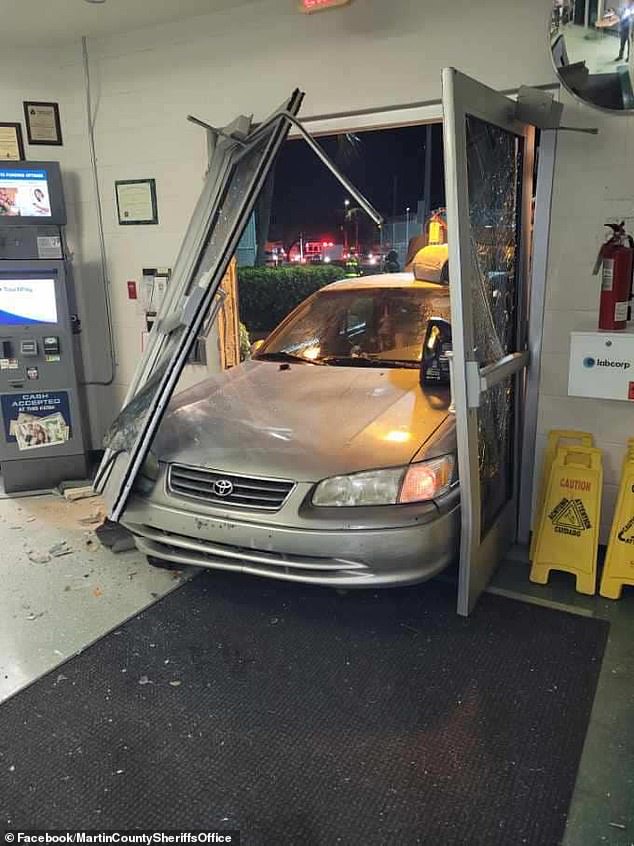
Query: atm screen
(27, 301)
(24, 193)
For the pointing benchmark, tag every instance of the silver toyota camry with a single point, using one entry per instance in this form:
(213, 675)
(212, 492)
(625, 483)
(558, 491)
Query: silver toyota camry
(329, 457)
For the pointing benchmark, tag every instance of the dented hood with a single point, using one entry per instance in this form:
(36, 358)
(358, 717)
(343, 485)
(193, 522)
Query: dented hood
(302, 422)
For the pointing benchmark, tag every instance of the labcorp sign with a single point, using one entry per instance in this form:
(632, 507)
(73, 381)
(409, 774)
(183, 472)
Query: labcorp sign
(601, 365)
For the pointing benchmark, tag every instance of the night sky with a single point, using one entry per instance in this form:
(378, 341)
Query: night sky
(386, 165)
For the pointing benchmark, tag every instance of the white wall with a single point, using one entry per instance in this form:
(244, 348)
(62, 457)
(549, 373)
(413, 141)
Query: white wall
(368, 54)
(594, 183)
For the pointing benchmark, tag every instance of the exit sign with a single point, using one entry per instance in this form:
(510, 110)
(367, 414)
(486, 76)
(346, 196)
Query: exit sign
(310, 6)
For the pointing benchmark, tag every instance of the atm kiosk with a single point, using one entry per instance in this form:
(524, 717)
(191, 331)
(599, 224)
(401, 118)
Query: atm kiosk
(42, 438)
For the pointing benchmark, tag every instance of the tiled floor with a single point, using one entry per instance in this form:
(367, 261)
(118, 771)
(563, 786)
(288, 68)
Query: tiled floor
(55, 600)
(53, 605)
(598, 49)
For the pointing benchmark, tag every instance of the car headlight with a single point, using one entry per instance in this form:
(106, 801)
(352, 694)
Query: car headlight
(395, 486)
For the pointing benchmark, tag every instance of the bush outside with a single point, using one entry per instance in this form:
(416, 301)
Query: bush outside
(268, 294)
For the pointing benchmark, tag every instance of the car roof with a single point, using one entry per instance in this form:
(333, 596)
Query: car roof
(384, 280)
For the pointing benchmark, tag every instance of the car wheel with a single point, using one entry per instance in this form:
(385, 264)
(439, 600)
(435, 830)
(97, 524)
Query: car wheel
(162, 565)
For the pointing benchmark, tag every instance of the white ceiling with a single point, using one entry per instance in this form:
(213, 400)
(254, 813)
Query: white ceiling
(42, 22)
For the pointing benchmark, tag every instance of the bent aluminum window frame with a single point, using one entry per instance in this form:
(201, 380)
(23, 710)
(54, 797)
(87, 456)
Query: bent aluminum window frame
(192, 305)
(185, 305)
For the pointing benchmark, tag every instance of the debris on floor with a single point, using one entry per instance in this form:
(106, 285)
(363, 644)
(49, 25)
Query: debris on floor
(97, 516)
(59, 549)
(77, 489)
(51, 552)
(39, 557)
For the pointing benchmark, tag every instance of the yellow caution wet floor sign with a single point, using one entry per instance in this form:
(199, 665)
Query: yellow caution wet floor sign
(556, 438)
(619, 561)
(568, 536)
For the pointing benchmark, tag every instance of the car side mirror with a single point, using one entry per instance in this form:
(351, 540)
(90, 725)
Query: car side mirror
(255, 346)
(434, 365)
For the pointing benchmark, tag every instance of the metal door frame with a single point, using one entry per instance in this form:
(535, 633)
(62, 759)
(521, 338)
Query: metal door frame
(430, 112)
(479, 556)
(538, 276)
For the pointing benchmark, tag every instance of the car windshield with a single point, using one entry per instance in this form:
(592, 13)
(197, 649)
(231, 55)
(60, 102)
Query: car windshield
(373, 326)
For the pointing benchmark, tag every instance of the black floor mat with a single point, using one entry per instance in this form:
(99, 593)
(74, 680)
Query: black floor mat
(300, 716)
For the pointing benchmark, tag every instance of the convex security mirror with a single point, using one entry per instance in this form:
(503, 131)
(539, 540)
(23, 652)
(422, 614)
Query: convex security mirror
(591, 46)
(434, 366)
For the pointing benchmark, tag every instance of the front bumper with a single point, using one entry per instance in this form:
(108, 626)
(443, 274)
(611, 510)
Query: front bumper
(350, 557)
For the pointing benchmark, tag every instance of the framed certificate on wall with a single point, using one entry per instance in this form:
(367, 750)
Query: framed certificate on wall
(42, 123)
(11, 142)
(136, 202)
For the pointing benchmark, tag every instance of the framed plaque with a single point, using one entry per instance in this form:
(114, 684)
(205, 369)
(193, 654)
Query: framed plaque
(42, 123)
(136, 202)
(11, 142)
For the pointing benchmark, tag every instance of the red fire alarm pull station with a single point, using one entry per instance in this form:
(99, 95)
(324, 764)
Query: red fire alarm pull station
(309, 6)
(132, 292)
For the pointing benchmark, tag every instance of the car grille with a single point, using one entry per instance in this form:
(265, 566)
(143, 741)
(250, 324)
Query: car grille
(243, 491)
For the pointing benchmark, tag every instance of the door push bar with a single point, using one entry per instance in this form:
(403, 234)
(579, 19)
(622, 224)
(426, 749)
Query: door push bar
(482, 379)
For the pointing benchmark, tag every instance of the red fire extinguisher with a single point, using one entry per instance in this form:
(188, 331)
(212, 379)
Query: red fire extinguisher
(615, 261)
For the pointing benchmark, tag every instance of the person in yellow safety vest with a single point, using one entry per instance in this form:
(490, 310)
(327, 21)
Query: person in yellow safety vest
(352, 267)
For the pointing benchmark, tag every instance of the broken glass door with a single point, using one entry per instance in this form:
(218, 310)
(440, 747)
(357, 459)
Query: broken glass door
(488, 174)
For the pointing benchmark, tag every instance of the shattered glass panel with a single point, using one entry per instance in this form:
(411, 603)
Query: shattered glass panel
(495, 450)
(494, 169)
(131, 420)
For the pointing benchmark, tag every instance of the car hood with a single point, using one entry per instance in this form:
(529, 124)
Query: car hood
(300, 421)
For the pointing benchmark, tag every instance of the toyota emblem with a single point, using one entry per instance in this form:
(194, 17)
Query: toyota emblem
(223, 487)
